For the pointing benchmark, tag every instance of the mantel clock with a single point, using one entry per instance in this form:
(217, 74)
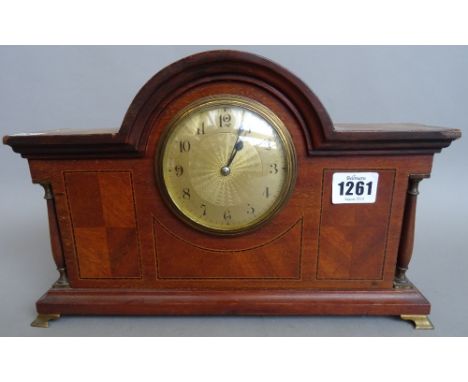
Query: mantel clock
(228, 190)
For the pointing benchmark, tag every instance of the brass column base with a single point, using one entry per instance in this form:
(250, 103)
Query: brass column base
(42, 320)
(420, 321)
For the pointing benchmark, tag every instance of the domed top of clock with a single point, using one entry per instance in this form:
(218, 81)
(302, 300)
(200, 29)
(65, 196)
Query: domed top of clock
(321, 137)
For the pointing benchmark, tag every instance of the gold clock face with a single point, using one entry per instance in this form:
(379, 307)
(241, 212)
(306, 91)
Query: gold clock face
(227, 164)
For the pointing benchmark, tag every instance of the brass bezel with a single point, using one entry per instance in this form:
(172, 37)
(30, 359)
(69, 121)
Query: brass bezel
(256, 107)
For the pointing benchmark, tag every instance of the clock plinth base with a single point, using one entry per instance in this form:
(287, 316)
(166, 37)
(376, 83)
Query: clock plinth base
(42, 320)
(407, 303)
(420, 321)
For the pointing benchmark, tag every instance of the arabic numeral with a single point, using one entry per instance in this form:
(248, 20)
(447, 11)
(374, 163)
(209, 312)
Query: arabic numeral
(201, 130)
(341, 185)
(227, 216)
(359, 188)
(369, 188)
(203, 207)
(273, 168)
(184, 146)
(186, 193)
(179, 170)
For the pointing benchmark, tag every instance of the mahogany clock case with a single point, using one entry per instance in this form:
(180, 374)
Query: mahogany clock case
(127, 186)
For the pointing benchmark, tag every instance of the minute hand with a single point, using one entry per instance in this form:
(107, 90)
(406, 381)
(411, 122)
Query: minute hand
(237, 147)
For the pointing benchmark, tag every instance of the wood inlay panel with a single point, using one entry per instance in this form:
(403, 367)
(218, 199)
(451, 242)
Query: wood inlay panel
(279, 258)
(353, 237)
(93, 252)
(102, 212)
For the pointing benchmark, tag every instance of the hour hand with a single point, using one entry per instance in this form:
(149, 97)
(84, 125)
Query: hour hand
(237, 147)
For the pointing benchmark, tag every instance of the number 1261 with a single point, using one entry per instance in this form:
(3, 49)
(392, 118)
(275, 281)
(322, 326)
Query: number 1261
(352, 188)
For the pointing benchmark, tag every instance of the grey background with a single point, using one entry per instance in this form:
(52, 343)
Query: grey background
(43, 88)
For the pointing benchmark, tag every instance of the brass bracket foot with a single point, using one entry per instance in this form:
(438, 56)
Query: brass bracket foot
(420, 321)
(42, 320)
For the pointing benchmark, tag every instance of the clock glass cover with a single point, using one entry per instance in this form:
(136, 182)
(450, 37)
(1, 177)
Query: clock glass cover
(226, 164)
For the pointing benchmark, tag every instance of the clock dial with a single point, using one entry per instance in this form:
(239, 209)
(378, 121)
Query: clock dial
(227, 164)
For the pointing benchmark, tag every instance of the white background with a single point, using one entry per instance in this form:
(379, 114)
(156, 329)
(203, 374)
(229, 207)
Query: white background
(42, 88)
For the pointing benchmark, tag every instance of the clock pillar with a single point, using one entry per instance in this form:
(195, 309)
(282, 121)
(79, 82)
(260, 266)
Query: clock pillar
(405, 250)
(55, 242)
